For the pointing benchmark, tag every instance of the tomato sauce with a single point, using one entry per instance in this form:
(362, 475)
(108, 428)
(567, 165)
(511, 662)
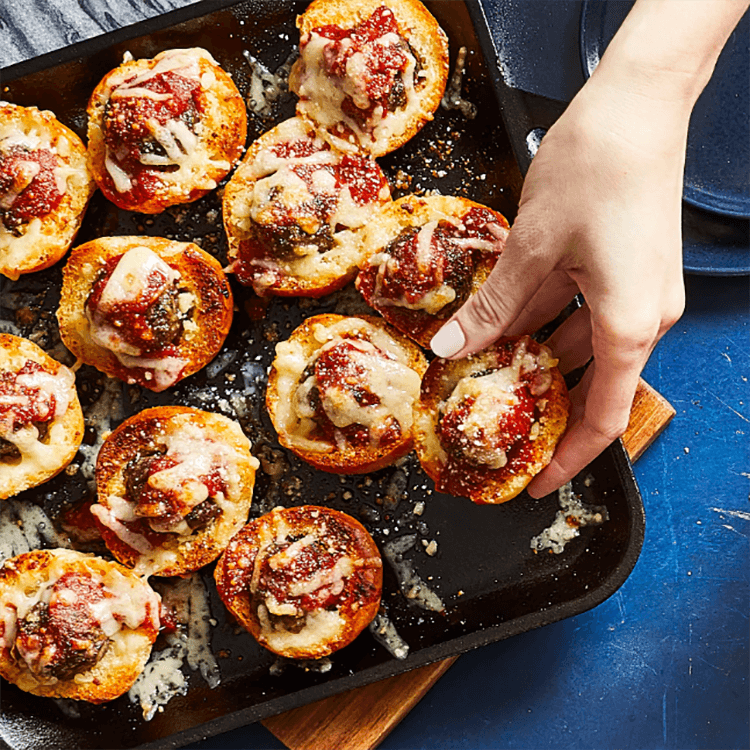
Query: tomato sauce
(410, 277)
(310, 223)
(150, 321)
(127, 127)
(362, 176)
(384, 62)
(71, 603)
(28, 188)
(336, 368)
(297, 149)
(64, 637)
(21, 405)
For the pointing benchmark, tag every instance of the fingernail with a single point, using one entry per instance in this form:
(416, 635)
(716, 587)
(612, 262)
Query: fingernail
(449, 340)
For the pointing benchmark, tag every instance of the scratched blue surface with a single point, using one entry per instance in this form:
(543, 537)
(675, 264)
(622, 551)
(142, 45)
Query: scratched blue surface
(662, 664)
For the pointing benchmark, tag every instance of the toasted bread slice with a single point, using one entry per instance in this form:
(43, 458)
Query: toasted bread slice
(424, 257)
(174, 484)
(164, 131)
(341, 390)
(74, 625)
(293, 211)
(45, 186)
(303, 581)
(377, 90)
(41, 422)
(485, 425)
(120, 273)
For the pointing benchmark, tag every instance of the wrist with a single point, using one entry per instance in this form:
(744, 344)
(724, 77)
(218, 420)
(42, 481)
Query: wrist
(666, 50)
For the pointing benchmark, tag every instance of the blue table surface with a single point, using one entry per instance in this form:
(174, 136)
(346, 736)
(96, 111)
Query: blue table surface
(663, 663)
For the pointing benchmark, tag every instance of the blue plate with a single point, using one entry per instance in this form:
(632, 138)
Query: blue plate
(717, 164)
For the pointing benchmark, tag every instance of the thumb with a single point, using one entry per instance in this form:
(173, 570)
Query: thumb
(484, 317)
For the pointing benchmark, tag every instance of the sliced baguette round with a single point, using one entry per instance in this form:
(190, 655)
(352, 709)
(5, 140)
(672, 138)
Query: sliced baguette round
(531, 448)
(189, 156)
(417, 281)
(337, 433)
(207, 320)
(304, 581)
(293, 211)
(128, 610)
(202, 443)
(37, 459)
(41, 241)
(324, 98)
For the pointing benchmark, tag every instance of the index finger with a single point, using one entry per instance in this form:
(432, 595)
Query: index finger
(521, 269)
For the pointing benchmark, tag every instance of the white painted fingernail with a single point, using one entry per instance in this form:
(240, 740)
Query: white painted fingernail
(449, 340)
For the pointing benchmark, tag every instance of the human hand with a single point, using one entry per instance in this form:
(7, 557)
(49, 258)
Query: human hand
(600, 213)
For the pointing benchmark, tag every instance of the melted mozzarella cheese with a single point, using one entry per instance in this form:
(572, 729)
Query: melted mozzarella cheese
(182, 61)
(196, 455)
(475, 243)
(110, 520)
(394, 383)
(425, 248)
(127, 603)
(133, 278)
(320, 626)
(183, 147)
(322, 95)
(390, 378)
(12, 135)
(333, 579)
(120, 178)
(493, 395)
(37, 456)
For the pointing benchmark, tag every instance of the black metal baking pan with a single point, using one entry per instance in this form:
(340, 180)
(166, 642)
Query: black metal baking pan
(484, 571)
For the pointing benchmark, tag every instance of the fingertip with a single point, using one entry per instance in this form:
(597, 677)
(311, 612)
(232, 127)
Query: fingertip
(549, 480)
(449, 340)
(533, 494)
(536, 490)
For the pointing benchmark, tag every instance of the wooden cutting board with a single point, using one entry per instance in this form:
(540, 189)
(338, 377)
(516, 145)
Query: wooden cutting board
(361, 718)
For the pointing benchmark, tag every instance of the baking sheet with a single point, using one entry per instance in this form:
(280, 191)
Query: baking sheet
(485, 572)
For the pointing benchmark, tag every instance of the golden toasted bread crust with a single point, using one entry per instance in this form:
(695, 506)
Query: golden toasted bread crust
(23, 580)
(204, 160)
(482, 484)
(338, 545)
(42, 241)
(414, 213)
(201, 276)
(39, 460)
(272, 185)
(302, 435)
(427, 44)
(157, 429)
